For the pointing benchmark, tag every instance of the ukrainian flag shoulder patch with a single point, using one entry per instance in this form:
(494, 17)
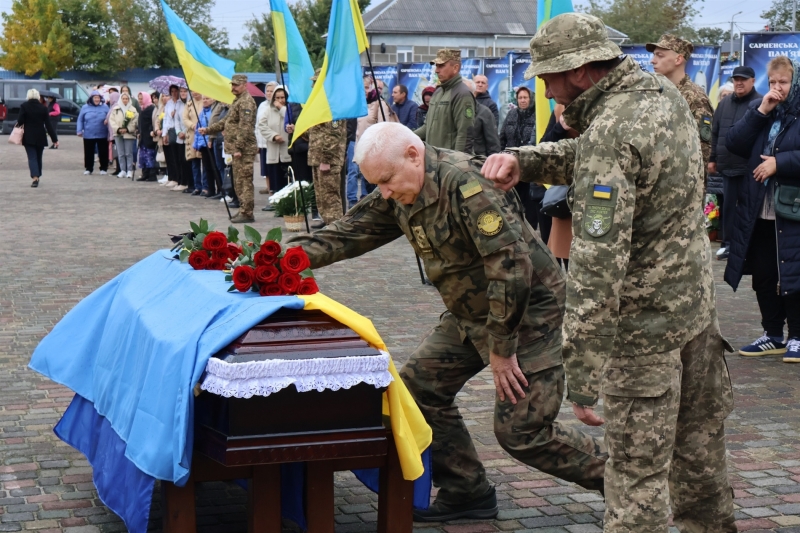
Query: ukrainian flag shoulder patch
(471, 188)
(602, 191)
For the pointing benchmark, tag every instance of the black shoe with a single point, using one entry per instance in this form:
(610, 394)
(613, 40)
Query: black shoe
(481, 508)
(35, 183)
(216, 197)
(143, 177)
(269, 207)
(233, 205)
(203, 194)
(188, 191)
(195, 192)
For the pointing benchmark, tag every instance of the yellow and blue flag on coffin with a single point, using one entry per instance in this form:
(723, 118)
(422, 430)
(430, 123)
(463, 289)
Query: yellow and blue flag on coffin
(205, 72)
(292, 51)
(338, 92)
(545, 10)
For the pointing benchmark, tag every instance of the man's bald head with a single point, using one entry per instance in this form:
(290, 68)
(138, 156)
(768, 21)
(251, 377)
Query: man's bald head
(481, 83)
(392, 157)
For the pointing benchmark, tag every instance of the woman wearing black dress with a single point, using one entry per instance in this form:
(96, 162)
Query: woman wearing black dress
(35, 118)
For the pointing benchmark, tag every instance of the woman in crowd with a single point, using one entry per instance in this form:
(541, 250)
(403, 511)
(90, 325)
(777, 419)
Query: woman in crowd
(299, 149)
(147, 142)
(356, 180)
(518, 129)
(124, 120)
(765, 242)
(261, 142)
(272, 130)
(92, 127)
(173, 138)
(34, 117)
(422, 110)
(127, 90)
(199, 183)
(113, 100)
(54, 111)
(202, 143)
(158, 126)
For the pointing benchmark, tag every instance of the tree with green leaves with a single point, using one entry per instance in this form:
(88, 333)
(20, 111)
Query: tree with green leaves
(708, 35)
(35, 39)
(91, 28)
(779, 14)
(646, 20)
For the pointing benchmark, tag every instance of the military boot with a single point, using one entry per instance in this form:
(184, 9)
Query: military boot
(481, 508)
(241, 218)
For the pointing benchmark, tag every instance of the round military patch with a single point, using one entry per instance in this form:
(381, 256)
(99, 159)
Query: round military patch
(490, 223)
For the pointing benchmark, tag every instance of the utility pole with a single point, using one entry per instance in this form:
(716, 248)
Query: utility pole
(730, 52)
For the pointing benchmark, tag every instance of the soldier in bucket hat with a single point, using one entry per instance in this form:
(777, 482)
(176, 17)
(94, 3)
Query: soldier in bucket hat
(670, 55)
(640, 324)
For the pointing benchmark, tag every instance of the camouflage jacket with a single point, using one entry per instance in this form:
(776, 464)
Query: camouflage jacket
(327, 143)
(493, 274)
(639, 281)
(451, 112)
(239, 126)
(703, 113)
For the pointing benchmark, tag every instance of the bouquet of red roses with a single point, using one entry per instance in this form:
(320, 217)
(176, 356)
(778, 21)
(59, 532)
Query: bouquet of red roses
(266, 268)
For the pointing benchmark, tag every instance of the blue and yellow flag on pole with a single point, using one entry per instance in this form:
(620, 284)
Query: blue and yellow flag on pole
(545, 10)
(205, 72)
(338, 92)
(292, 51)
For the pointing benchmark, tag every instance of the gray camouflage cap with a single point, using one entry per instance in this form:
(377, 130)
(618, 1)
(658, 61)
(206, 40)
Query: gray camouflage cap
(569, 41)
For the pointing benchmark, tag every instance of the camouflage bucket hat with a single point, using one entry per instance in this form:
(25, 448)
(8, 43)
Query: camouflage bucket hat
(671, 42)
(569, 41)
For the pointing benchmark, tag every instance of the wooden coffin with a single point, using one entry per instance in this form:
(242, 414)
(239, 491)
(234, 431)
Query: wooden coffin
(225, 428)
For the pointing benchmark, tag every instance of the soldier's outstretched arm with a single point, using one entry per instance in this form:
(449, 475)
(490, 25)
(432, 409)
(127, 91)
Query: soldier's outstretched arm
(546, 163)
(367, 226)
(605, 200)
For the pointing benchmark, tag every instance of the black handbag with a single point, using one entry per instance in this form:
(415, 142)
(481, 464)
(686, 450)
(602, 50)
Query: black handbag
(554, 203)
(787, 202)
(172, 136)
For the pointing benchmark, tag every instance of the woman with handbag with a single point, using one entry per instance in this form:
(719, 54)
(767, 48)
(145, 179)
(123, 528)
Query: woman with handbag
(34, 119)
(766, 233)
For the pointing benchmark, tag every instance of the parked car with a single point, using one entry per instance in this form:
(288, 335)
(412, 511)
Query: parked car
(13, 92)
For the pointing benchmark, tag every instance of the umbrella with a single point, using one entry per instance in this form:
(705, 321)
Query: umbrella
(162, 83)
(255, 91)
(49, 94)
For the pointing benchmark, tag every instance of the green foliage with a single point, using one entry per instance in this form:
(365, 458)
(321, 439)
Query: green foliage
(275, 234)
(714, 36)
(35, 38)
(646, 20)
(779, 14)
(233, 234)
(252, 235)
(91, 28)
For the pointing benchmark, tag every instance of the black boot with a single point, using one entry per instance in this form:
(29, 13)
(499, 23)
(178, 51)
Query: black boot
(481, 508)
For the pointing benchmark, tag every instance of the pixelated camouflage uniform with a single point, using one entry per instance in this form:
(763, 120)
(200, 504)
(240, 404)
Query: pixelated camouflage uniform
(504, 294)
(640, 323)
(239, 127)
(327, 143)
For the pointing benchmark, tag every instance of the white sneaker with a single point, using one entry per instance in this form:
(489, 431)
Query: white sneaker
(121, 174)
(103, 172)
(87, 172)
(163, 181)
(171, 184)
(721, 251)
(226, 199)
(130, 174)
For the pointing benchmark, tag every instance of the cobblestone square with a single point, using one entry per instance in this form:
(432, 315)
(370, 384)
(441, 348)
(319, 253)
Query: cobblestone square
(72, 234)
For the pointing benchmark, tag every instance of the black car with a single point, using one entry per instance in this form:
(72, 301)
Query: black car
(13, 93)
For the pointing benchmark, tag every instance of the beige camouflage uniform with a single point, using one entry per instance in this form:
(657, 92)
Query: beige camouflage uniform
(327, 143)
(504, 293)
(239, 127)
(640, 324)
(694, 95)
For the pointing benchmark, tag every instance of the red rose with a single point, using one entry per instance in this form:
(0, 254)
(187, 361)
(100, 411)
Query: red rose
(243, 277)
(262, 259)
(295, 260)
(216, 264)
(308, 286)
(271, 249)
(198, 259)
(220, 254)
(289, 282)
(215, 241)
(271, 289)
(267, 274)
(233, 251)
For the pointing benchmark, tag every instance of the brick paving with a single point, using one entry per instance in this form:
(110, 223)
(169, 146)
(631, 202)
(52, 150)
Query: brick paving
(75, 232)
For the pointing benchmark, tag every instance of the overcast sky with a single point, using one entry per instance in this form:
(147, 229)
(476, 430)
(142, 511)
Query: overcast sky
(232, 15)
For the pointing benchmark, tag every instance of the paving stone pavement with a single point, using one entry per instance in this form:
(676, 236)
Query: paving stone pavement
(75, 232)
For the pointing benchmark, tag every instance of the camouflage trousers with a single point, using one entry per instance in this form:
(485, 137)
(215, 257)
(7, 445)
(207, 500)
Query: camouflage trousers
(243, 183)
(665, 433)
(328, 191)
(438, 370)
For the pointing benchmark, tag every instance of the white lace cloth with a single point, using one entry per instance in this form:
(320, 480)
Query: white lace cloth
(262, 378)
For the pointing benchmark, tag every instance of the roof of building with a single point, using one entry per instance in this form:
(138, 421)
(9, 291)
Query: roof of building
(463, 17)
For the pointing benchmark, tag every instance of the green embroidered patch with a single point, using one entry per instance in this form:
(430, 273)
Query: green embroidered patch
(469, 112)
(598, 219)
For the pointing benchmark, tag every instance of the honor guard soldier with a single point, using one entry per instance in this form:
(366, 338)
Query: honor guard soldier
(240, 141)
(640, 325)
(504, 295)
(670, 55)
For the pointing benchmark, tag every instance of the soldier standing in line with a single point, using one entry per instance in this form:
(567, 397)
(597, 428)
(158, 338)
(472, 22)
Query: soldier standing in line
(240, 140)
(504, 295)
(452, 107)
(640, 323)
(670, 55)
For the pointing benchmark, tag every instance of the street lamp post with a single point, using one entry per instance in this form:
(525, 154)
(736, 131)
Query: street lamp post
(730, 52)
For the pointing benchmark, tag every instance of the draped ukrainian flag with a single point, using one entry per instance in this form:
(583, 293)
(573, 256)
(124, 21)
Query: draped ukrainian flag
(292, 51)
(338, 92)
(545, 10)
(205, 72)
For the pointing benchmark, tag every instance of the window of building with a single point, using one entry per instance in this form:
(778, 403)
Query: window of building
(467, 52)
(405, 54)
